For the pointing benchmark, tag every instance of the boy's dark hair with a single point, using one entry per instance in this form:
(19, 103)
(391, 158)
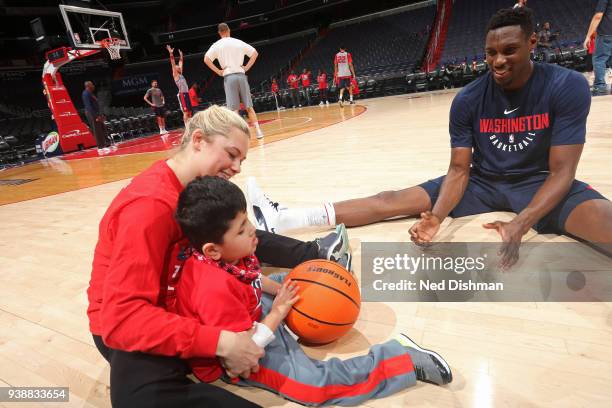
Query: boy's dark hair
(521, 16)
(206, 207)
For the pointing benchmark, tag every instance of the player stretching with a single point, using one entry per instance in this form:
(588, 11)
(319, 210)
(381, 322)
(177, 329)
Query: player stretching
(181, 84)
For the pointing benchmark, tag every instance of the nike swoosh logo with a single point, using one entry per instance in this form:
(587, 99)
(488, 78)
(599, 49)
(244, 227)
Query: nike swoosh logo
(507, 112)
(531, 134)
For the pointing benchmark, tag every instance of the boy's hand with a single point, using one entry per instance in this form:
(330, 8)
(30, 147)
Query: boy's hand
(170, 49)
(285, 298)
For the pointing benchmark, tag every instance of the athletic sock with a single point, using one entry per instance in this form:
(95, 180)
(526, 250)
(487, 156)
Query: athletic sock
(290, 219)
(351, 98)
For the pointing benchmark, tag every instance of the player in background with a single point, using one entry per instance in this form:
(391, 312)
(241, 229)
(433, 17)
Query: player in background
(343, 72)
(181, 84)
(230, 53)
(155, 98)
(274, 89)
(294, 82)
(354, 87)
(305, 77)
(194, 97)
(322, 80)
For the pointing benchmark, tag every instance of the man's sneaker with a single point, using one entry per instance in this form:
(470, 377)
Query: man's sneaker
(321, 103)
(429, 366)
(599, 92)
(352, 102)
(346, 261)
(334, 245)
(340, 102)
(264, 209)
(327, 103)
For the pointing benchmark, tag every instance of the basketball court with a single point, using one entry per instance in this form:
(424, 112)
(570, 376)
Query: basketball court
(502, 354)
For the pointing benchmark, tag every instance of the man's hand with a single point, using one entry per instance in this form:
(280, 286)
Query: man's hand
(238, 354)
(511, 234)
(180, 54)
(423, 231)
(170, 49)
(587, 43)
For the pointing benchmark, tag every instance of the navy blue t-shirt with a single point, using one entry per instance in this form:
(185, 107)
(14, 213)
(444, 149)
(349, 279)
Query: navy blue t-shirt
(90, 103)
(605, 25)
(511, 133)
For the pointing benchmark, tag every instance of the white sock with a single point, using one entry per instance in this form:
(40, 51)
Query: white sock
(290, 219)
(257, 126)
(351, 98)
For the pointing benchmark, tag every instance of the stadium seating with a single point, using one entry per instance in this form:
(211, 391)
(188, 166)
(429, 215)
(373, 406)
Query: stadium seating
(467, 30)
(378, 46)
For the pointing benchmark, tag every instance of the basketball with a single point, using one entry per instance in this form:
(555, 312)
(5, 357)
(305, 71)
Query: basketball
(329, 302)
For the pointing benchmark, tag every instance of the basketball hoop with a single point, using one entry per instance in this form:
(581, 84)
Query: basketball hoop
(113, 46)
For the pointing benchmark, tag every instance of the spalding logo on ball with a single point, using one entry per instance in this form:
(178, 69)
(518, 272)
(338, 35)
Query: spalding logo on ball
(329, 302)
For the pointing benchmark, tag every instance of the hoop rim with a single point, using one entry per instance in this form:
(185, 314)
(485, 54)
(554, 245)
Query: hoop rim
(112, 45)
(109, 42)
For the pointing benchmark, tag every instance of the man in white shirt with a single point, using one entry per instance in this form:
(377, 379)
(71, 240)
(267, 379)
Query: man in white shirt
(230, 53)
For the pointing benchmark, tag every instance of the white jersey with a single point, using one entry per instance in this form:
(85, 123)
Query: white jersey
(230, 52)
(343, 59)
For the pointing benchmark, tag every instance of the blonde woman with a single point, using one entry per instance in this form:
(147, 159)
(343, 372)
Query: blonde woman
(138, 255)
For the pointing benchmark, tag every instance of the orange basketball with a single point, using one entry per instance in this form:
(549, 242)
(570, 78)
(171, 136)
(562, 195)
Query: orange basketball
(329, 302)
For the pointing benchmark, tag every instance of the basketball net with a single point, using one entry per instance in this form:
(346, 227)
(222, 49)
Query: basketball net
(113, 46)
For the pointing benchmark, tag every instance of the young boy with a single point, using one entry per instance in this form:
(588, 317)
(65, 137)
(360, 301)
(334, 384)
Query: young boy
(221, 285)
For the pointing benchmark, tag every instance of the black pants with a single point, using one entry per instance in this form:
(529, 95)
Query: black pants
(98, 129)
(295, 96)
(323, 94)
(148, 381)
(151, 381)
(307, 95)
(284, 252)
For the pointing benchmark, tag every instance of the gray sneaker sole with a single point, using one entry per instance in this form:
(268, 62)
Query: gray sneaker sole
(342, 238)
(415, 346)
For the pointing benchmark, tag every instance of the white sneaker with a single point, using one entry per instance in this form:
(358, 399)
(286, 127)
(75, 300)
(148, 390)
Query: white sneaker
(260, 134)
(321, 103)
(101, 152)
(163, 132)
(266, 212)
(106, 150)
(113, 148)
(327, 103)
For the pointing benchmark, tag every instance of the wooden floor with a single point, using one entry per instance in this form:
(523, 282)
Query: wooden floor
(502, 354)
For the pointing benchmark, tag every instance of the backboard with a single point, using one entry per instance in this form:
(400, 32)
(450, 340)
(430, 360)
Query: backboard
(87, 27)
